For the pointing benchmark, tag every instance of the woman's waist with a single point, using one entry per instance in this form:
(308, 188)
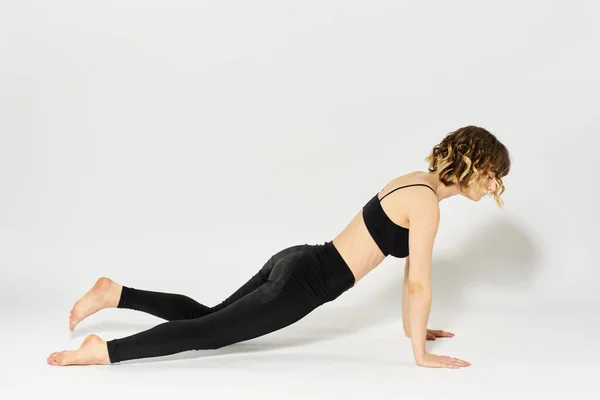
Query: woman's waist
(334, 273)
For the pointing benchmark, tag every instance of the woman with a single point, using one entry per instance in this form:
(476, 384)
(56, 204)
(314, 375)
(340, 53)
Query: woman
(469, 161)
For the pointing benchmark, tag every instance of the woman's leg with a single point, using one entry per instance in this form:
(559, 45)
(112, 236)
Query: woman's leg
(286, 296)
(296, 285)
(171, 307)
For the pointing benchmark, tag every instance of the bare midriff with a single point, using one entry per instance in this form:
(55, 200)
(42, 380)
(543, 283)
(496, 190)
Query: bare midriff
(357, 248)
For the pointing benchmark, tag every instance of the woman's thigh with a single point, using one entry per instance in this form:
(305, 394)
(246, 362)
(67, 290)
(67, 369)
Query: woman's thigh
(282, 300)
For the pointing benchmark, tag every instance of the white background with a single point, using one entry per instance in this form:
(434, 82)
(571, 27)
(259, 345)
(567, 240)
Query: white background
(176, 145)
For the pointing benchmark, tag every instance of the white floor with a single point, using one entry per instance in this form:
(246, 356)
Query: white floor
(334, 353)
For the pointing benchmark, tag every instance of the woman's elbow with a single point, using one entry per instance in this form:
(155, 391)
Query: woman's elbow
(418, 288)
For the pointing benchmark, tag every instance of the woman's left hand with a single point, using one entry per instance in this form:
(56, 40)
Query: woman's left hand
(433, 333)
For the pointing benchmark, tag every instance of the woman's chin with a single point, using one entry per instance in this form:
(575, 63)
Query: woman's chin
(476, 197)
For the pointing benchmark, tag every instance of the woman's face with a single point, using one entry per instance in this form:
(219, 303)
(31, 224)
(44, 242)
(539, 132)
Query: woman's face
(476, 192)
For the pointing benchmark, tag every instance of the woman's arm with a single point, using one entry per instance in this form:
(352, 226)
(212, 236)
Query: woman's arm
(424, 221)
(405, 320)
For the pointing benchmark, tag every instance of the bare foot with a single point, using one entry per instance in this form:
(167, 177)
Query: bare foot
(105, 293)
(93, 350)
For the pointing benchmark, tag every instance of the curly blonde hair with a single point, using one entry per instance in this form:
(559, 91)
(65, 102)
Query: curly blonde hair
(467, 156)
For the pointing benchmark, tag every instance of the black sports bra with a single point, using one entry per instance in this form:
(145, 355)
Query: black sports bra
(390, 237)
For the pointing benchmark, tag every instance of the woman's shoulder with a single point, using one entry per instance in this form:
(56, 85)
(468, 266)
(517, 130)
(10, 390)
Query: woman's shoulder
(411, 183)
(416, 201)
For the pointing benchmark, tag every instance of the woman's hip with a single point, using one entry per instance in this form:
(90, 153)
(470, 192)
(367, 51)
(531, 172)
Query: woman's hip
(318, 270)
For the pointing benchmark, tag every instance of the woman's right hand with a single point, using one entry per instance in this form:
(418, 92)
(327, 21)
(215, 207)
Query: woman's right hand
(435, 361)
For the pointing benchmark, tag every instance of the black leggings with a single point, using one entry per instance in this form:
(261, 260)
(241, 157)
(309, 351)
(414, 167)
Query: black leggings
(290, 285)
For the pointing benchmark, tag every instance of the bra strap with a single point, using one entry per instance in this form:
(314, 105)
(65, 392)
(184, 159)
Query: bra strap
(413, 184)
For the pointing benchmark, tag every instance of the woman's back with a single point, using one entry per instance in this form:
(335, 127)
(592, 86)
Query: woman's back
(357, 245)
